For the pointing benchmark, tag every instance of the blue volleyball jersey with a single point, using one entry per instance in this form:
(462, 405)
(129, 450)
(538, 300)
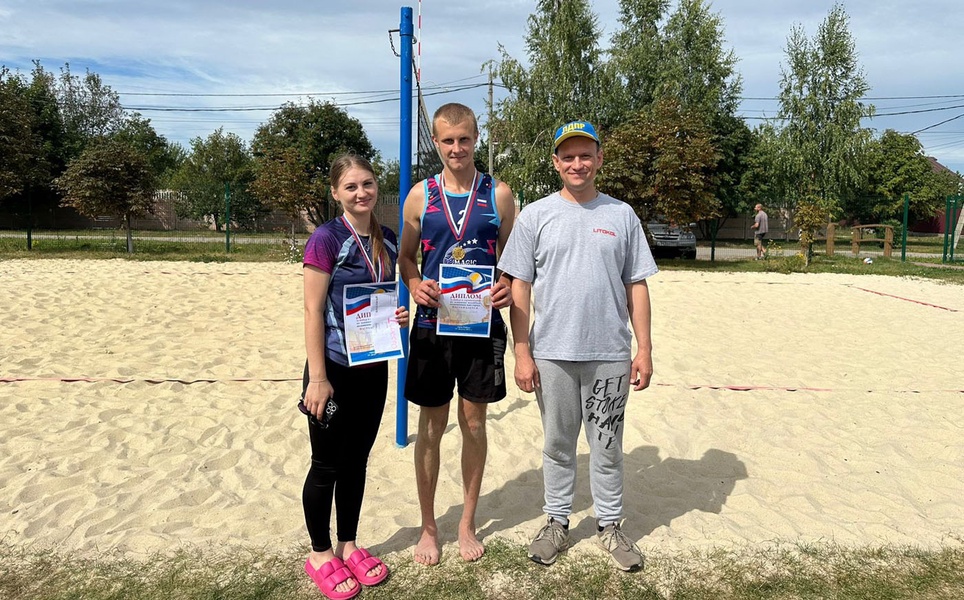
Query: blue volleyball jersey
(457, 229)
(334, 249)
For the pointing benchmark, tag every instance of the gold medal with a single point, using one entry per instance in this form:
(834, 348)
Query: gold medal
(458, 253)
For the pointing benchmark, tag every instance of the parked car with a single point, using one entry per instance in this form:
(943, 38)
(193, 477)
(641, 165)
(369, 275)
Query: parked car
(670, 240)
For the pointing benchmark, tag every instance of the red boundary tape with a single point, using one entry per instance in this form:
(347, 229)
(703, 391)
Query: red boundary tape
(145, 380)
(156, 381)
(906, 299)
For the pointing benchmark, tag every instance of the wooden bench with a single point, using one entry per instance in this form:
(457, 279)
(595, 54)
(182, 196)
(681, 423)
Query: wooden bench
(859, 233)
(104, 222)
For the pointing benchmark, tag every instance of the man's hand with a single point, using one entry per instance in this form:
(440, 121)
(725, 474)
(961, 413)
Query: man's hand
(427, 293)
(526, 372)
(642, 370)
(501, 294)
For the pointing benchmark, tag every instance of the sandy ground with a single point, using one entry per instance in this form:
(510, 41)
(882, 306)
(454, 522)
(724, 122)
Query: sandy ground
(784, 408)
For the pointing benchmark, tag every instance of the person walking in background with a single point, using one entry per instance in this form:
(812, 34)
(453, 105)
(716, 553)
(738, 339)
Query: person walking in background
(760, 227)
(460, 216)
(344, 404)
(585, 256)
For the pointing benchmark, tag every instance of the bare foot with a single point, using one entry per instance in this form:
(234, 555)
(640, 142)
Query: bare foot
(470, 547)
(427, 550)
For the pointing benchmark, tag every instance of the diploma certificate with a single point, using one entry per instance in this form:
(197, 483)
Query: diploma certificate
(371, 332)
(465, 304)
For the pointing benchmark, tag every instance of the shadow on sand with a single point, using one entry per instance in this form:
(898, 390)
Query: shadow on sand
(656, 492)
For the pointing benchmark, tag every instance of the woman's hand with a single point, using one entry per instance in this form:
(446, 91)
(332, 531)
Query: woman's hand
(402, 317)
(317, 395)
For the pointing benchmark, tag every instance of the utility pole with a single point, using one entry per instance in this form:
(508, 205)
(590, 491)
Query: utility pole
(491, 141)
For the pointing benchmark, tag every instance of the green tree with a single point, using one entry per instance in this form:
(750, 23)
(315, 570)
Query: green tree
(90, 109)
(66, 113)
(897, 166)
(138, 132)
(26, 157)
(20, 148)
(293, 153)
(40, 196)
(681, 56)
(822, 145)
(636, 57)
(562, 83)
(110, 178)
(694, 67)
(215, 162)
(760, 182)
(663, 162)
(48, 121)
(389, 175)
(700, 73)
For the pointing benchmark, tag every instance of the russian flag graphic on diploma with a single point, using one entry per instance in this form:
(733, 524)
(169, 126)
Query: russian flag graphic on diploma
(465, 305)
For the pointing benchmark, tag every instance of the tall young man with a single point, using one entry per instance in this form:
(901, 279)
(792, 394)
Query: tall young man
(585, 256)
(460, 216)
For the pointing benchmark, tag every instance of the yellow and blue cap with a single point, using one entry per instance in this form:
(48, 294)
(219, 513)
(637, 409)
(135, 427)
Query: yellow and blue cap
(574, 129)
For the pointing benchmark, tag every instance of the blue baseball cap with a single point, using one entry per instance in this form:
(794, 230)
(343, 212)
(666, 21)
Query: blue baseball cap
(573, 129)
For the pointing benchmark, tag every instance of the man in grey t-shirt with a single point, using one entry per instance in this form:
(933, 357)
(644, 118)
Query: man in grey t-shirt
(584, 256)
(760, 227)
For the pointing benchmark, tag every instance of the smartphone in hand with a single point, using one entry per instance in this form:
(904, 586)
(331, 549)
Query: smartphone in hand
(329, 413)
(330, 410)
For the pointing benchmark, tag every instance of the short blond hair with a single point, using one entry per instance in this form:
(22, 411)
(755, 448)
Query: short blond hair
(454, 113)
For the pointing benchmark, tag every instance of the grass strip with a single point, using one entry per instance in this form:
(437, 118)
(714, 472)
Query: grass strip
(758, 572)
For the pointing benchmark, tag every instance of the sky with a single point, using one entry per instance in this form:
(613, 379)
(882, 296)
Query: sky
(192, 66)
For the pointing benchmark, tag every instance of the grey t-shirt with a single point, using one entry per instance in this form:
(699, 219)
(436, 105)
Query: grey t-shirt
(763, 223)
(579, 259)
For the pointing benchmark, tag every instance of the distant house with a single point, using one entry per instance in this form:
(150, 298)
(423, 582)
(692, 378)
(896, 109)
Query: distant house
(936, 223)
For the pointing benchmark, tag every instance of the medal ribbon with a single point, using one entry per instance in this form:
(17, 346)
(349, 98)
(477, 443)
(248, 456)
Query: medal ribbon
(376, 277)
(459, 231)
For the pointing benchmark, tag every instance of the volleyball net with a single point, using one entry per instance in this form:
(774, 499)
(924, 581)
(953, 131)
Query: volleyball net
(427, 159)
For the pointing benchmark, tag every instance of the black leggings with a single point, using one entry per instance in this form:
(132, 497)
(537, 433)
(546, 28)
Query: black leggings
(339, 454)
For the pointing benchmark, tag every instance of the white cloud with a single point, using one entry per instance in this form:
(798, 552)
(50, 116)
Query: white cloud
(336, 46)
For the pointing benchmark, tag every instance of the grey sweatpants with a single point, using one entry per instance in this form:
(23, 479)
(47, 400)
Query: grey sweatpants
(574, 394)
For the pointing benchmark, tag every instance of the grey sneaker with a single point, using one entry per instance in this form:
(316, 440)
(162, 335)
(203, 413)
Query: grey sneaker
(552, 539)
(623, 551)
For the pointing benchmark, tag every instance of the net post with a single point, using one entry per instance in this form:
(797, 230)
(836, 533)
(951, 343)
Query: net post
(903, 234)
(947, 226)
(406, 33)
(227, 217)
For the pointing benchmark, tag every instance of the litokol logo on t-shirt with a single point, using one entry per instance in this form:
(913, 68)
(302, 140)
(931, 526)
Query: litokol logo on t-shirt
(604, 231)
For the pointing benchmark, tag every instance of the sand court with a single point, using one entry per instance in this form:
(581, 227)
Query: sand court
(146, 406)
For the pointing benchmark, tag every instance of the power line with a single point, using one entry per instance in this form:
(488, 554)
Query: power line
(937, 124)
(252, 95)
(916, 112)
(436, 86)
(151, 108)
(946, 96)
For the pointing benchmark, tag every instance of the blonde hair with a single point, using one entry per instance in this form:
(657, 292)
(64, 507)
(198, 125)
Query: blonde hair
(454, 113)
(339, 166)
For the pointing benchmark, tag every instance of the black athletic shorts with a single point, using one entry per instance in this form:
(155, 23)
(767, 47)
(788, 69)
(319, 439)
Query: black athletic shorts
(437, 362)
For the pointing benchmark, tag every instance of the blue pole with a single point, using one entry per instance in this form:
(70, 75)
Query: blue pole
(407, 33)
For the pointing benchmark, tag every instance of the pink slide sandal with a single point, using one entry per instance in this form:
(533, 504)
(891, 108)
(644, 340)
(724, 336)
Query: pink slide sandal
(361, 562)
(329, 576)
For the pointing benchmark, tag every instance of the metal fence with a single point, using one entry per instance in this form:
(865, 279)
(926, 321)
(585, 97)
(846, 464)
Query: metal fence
(66, 229)
(733, 240)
